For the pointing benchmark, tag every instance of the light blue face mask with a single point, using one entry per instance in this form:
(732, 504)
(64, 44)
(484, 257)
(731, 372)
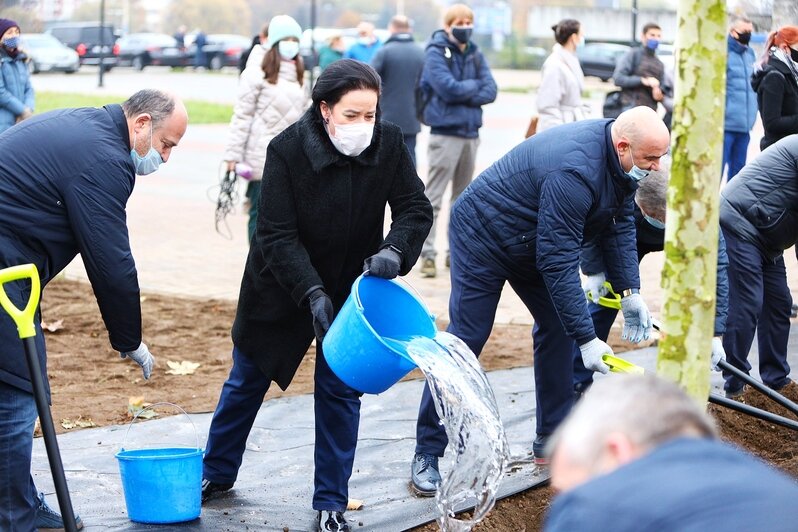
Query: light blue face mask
(150, 162)
(636, 173)
(657, 224)
(288, 49)
(11, 42)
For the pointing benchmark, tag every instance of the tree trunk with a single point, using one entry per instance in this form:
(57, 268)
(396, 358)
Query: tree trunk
(784, 12)
(691, 235)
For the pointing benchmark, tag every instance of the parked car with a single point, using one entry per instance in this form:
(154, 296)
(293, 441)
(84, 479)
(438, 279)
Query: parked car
(84, 38)
(48, 54)
(140, 50)
(598, 58)
(221, 49)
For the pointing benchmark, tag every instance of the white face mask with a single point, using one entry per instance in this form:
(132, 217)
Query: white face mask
(352, 139)
(288, 49)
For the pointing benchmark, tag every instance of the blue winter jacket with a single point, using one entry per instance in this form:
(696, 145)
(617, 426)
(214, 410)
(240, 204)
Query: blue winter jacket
(65, 178)
(16, 92)
(741, 103)
(457, 84)
(533, 209)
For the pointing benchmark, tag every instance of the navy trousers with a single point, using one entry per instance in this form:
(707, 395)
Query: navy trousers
(759, 302)
(735, 151)
(410, 142)
(337, 416)
(477, 280)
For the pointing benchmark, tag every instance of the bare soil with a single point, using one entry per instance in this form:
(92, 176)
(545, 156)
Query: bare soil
(91, 385)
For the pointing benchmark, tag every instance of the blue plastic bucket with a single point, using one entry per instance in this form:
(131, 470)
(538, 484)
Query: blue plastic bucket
(161, 485)
(355, 346)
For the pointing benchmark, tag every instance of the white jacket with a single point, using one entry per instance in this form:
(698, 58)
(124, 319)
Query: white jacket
(263, 110)
(559, 98)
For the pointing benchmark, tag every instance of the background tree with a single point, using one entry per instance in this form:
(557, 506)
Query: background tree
(27, 19)
(691, 236)
(212, 16)
(784, 12)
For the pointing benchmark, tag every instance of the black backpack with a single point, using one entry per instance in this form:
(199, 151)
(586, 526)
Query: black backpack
(613, 102)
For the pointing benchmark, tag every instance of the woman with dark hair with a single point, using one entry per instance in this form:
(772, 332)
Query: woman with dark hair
(267, 104)
(560, 93)
(775, 81)
(327, 181)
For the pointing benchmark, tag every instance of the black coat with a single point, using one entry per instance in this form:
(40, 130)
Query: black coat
(399, 62)
(321, 214)
(777, 96)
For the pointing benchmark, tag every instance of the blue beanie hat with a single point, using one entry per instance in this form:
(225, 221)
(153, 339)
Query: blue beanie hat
(282, 26)
(6, 24)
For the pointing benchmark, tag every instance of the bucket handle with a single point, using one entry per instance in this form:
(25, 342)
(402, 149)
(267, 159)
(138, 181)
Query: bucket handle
(395, 279)
(148, 407)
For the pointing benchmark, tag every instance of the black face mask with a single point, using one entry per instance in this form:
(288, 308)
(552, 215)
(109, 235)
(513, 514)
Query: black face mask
(743, 37)
(462, 35)
(794, 54)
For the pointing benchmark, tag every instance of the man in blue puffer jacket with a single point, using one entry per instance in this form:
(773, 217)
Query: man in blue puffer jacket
(456, 82)
(741, 104)
(16, 92)
(524, 221)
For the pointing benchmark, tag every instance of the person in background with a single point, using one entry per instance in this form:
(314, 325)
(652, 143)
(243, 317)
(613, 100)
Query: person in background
(741, 103)
(180, 36)
(65, 178)
(330, 177)
(256, 52)
(649, 213)
(16, 92)
(775, 81)
(266, 105)
(332, 51)
(367, 43)
(399, 62)
(456, 82)
(200, 57)
(559, 98)
(758, 215)
(522, 222)
(637, 453)
(640, 74)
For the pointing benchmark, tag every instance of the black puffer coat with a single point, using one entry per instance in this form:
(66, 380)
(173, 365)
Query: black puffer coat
(321, 214)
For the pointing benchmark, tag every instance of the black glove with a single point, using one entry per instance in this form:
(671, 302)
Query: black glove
(322, 309)
(385, 264)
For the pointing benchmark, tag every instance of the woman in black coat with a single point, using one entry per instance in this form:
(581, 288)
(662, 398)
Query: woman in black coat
(326, 183)
(775, 81)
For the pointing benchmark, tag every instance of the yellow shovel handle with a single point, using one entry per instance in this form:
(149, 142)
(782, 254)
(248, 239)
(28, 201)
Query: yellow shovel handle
(23, 318)
(620, 365)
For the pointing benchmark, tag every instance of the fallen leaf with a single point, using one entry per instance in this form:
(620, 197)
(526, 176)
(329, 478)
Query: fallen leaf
(354, 504)
(182, 368)
(53, 326)
(136, 406)
(78, 423)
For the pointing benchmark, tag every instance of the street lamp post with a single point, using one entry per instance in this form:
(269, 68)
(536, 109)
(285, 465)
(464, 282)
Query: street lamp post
(634, 22)
(102, 41)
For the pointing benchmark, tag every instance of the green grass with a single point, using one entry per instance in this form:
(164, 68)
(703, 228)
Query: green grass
(199, 112)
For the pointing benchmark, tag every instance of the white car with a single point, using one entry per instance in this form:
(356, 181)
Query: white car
(48, 54)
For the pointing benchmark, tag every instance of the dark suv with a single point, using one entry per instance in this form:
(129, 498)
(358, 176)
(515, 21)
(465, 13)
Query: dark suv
(84, 38)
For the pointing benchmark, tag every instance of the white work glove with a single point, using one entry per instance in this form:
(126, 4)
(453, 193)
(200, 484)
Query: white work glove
(718, 353)
(592, 353)
(636, 319)
(143, 358)
(594, 286)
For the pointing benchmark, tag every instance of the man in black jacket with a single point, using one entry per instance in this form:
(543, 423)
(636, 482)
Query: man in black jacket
(65, 178)
(399, 62)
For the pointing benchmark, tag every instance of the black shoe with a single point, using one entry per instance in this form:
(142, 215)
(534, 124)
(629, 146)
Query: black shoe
(211, 490)
(794, 311)
(539, 450)
(580, 389)
(424, 474)
(334, 522)
(735, 394)
(49, 519)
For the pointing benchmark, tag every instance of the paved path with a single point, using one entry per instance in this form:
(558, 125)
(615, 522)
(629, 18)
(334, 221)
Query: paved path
(171, 212)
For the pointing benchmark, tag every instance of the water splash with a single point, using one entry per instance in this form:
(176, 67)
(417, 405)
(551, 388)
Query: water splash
(465, 402)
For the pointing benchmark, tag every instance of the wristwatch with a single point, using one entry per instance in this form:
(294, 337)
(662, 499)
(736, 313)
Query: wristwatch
(629, 292)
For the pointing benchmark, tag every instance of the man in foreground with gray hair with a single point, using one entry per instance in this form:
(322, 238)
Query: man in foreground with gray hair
(649, 213)
(638, 454)
(65, 178)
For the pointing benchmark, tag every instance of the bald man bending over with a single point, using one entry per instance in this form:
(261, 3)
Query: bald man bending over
(524, 221)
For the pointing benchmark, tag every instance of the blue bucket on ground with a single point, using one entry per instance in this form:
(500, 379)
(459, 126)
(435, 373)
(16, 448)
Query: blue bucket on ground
(361, 346)
(161, 485)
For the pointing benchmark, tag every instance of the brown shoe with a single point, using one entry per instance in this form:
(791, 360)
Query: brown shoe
(428, 268)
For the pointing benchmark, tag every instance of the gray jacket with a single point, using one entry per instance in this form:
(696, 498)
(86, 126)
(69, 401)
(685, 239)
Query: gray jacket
(760, 205)
(399, 62)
